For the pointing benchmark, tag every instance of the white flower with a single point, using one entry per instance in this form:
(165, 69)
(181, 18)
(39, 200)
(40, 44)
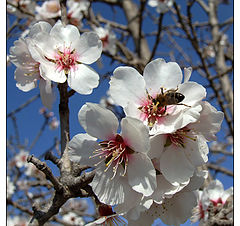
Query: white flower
(108, 38)
(10, 187)
(107, 217)
(82, 5)
(75, 9)
(49, 9)
(63, 53)
(21, 159)
(214, 193)
(27, 72)
(74, 219)
(162, 5)
(179, 153)
(121, 160)
(144, 97)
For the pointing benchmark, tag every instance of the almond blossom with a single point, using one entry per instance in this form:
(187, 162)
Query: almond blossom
(144, 97)
(49, 9)
(81, 5)
(108, 38)
(20, 159)
(27, 73)
(162, 5)
(123, 169)
(214, 193)
(179, 153)
(63, 55)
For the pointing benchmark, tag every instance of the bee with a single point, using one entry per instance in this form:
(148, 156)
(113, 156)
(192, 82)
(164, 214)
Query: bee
(170, 97)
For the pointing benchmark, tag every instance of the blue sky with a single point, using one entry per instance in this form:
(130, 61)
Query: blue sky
(29, 120)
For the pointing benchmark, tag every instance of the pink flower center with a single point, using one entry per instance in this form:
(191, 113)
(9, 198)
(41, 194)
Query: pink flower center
(66, 60)
(156, 108)
(179, 137)
(216, 202)
(105, 41)
(114, 152)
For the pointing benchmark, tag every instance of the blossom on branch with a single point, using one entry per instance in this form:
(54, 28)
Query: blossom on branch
(49, 9)
(158, 98)
(108, 38)
(123, 169)
(63, 55)
(27, 73)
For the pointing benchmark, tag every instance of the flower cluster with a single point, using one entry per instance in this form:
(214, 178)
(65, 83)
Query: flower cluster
(148, 163)
(56, 54)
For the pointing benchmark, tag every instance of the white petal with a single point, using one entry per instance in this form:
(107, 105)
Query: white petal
(192, 91)
(98, 121)
(81, 147)
(215, 190)
(189, 115)
(83, 80)
(196, 151)
(131, 203)
(48, 70)
(159, 74)
(132, 110)
(25, 82)
(157, 145)
(89, 48)
(41, 26)
(163, 187)
(196, 180)
(227, 193)
(168, 124)
(141, 174)
(145, 219)
(209, 122)
(67, 35)
(127, 85)
(177, 210)
(187, 74)
(20, 55)
(142, 206)
(174, 165)
(153, 3)
(111, 191)
(46, 93)
(135, 134)
(44, 44)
